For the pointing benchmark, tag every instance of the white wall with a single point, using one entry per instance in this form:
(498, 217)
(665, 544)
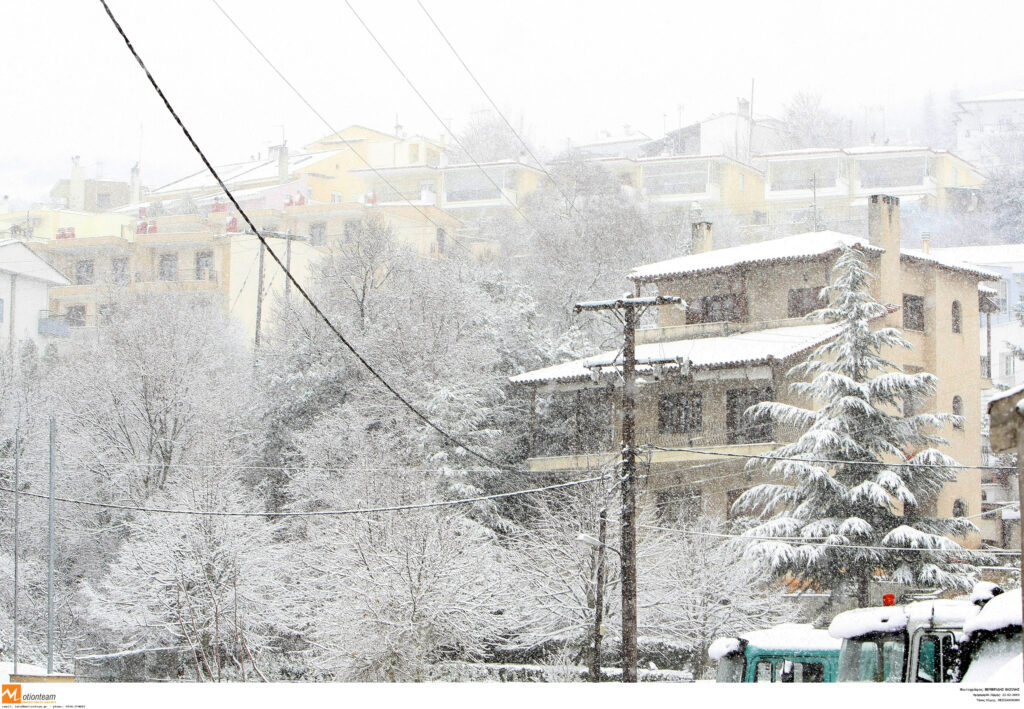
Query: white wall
(30, 296)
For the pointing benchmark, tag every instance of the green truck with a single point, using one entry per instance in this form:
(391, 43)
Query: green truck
(791, 652)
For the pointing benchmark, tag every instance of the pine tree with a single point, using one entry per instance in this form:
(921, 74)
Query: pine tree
(861, 478)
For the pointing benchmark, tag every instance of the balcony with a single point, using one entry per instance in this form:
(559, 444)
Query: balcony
(658, 458)
(710, 329)
(53, 327)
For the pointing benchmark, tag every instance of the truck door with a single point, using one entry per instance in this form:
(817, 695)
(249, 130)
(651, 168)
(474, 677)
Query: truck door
(937, 658)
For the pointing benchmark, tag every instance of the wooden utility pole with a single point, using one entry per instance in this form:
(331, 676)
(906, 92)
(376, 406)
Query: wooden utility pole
(595, 663)
(49, 575)
(259, 297)
(631, 308)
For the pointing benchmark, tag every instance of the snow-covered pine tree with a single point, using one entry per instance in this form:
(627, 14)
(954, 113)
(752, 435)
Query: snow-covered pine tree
(861, 478)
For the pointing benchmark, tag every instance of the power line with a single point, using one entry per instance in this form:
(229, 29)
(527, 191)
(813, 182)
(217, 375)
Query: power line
(833, 546)
(494, 105)
(314, 513)
(829, 461)
(323, 120)
(302, 291)
(438, 117)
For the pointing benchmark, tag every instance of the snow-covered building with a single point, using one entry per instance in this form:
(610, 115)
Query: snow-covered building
(1006, 435)
(741, 332)
(25, 282)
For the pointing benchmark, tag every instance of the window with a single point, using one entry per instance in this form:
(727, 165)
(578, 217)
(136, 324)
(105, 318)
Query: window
(1006, 364)
(106, 313)
(678, 504)
(351, 229)
(728, 307)
(804, 300)
(204, 266)
(763, 672)
(957, 316)
(337, 198)
(85, 272)
(75, 315)
(318, 233)
(730, 499)
(119, 271)
(680, 412)
(739, 427)
(103, 200)
(958, 410)
(168, 267)
(913, 312)
(959, 508)
(936, 659)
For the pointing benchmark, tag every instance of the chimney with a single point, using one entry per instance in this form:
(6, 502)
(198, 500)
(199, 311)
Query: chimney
(700, 241)
(743, 107)
(884, 231)
(76, 186)
(280, 153)
(135, 185)
(926, 241)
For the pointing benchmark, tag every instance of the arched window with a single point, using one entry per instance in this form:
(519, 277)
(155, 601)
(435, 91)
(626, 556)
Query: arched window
(959, 508)
(958, 410)
(957, 316)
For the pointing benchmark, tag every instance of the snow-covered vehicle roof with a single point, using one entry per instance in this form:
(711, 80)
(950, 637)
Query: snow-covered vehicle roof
(785, 637)
(892, 619)
(1002, 612)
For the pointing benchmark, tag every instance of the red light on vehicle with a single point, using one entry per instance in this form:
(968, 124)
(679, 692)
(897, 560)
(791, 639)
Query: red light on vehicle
(889, 599)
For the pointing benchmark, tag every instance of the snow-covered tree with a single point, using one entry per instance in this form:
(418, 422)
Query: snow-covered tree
(860, 479)
(810, 124)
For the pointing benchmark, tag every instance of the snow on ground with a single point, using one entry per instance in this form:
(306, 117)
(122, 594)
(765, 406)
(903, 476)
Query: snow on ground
(6, 668)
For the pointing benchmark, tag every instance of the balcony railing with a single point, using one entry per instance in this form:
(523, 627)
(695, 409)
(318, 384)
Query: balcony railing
(53, 327)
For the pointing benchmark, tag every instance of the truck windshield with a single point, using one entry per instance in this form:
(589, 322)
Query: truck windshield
(730, 668)
(872, 659)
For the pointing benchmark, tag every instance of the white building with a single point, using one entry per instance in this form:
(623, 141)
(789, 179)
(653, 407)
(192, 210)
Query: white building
(990, 129)
(25, 281)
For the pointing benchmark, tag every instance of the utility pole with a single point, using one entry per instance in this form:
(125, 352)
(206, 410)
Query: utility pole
(259, 297)
(631, 308)
(49, 578)
(288, 263)
(17, 461)
(595, 665)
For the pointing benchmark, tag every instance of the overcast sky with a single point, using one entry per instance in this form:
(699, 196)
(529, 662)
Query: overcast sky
(568, 69)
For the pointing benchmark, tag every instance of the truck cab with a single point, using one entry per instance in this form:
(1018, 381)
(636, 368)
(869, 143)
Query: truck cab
(916, 642)
(786, 653)
(993, 650)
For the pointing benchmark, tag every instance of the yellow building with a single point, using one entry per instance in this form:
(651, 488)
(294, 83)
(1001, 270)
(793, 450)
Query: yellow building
(172, 253)
(831, 187)
(743, 330)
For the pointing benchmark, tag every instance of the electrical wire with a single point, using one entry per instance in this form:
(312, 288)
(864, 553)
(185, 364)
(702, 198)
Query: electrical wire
(314, 513)
(819, 544)
(438, 117)
(883, 464)
(298, 287)
(497, 110)
(334, 131)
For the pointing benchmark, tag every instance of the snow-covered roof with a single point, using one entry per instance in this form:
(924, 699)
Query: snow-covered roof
(985, 255)
(249, 171)
(985, 290)
(812, 244)
(788, 636)
(1005, 95)
(954, 264)
(740, 349)
(1003, 611)
(19, 259)
(799, 246)
(892, 619)
(7, 668)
